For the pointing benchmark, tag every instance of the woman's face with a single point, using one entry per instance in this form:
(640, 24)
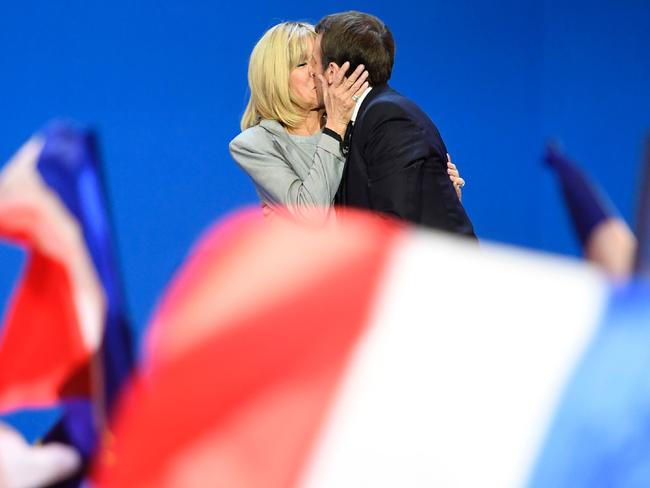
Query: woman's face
(302, 84)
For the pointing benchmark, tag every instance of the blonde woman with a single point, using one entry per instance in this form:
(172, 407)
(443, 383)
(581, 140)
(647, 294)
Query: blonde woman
(294, 125)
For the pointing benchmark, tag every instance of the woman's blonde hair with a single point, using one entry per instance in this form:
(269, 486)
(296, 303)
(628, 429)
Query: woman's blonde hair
(276, 54)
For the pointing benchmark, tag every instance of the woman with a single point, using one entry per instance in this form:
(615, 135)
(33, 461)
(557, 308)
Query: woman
(288, 145)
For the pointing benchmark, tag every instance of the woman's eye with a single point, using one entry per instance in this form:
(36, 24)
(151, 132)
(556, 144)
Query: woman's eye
(301, 65)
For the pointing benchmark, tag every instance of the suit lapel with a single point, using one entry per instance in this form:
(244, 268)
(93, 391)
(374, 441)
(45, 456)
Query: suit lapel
(341, 195)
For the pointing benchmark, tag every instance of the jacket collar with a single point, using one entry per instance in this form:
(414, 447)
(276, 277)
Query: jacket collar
(374, 93)
(273, 126)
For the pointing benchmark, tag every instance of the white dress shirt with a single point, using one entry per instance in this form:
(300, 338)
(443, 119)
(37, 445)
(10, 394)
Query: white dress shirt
(359, 102)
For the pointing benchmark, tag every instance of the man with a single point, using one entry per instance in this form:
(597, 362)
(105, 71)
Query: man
(397, 161)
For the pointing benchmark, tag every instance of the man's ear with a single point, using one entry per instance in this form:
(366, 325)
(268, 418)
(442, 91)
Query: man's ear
(331, 71)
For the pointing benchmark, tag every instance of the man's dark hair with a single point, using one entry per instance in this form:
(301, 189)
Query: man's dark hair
(360, 39)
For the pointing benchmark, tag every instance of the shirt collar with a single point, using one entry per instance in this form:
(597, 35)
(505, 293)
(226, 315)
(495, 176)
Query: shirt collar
(358, 105)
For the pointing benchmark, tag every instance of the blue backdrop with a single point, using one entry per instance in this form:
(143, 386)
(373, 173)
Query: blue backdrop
(165, 84)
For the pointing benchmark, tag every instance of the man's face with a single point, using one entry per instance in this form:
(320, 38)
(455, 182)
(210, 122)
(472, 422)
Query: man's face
(316, 68)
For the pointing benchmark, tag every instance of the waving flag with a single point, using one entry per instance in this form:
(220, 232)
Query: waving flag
(66, 335)
(372, 354)
(642, 260)
(54, 323)
(70, 165)
(605, 237)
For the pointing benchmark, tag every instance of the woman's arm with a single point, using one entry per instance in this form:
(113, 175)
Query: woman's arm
(261, 158)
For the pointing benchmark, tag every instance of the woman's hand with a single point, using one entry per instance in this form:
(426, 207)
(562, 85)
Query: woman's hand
(454, 176)
(341, 96)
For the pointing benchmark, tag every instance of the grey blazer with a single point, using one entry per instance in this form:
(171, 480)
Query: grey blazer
(296, 172)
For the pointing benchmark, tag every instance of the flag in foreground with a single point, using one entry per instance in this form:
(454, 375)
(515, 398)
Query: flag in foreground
(374, 354)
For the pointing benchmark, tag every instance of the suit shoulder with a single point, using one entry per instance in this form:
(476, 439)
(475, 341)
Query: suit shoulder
(389, 104)
(251, 138)
(254, 145)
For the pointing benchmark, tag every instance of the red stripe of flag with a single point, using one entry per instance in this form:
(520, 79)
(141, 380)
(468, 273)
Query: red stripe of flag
(242, 406)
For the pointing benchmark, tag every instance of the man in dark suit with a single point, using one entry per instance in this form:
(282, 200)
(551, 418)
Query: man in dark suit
(397, 161)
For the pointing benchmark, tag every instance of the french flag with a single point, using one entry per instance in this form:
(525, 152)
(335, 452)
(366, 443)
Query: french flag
(369, 353)
(65, 336)
(54, 322)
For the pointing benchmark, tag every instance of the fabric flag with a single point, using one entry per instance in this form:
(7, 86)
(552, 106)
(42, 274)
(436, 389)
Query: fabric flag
(642, 261)
(368, 353)
(54, 319)
(55, 204)
(605, 237)
(70, 165)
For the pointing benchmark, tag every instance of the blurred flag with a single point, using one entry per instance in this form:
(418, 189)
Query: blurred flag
(54, 319)
(605, 237)
(70, 165)
(642, 261)
(364, 354)
(68, 313)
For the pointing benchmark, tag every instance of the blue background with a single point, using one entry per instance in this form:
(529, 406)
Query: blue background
(165, 84)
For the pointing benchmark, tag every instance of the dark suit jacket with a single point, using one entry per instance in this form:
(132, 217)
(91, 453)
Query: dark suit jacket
(397, 165)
